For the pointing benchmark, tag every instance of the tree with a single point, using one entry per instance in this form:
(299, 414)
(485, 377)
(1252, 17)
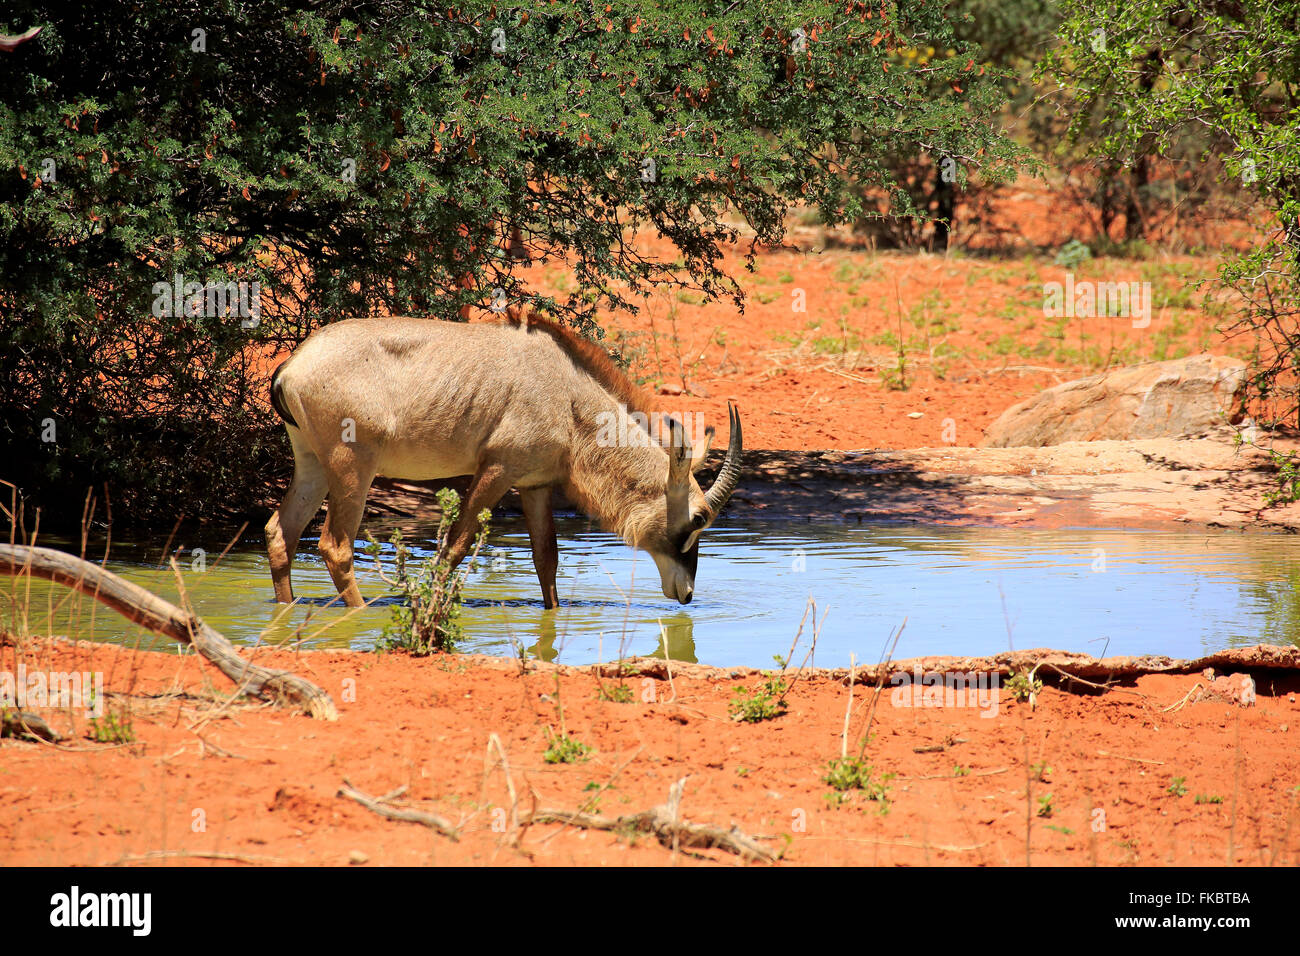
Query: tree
(396, 158)
(1005, 38)
(1224, 74)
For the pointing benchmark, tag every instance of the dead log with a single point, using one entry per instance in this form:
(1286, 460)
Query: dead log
(162, 617)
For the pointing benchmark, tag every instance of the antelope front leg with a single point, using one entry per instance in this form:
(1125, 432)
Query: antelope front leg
(489, 485)
(541, 534)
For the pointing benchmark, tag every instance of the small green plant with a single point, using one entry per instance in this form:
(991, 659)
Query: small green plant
(1177, 788)
(1072, 254)
(618, 693)
(564, 749)
(429, 620)
(1060, 829)
(742, 771)
(112, 728)
(1025, 686)
(764, 703)
(1041, 771)
(1207, 798)
(895, 377)
(1045, 805)
(960, 771)
(847, 774)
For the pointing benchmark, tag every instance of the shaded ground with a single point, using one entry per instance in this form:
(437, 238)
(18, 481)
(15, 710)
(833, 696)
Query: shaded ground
(1081, 779)
(1153, 483)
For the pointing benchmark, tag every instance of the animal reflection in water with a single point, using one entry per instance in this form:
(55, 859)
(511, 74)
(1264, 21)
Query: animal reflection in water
(676, 641)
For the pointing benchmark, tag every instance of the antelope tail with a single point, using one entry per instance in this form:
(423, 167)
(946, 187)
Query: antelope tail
(277, 396)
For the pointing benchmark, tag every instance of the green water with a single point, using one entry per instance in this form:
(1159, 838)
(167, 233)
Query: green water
(962, 591)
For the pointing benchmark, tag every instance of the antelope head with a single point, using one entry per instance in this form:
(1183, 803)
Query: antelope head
(674, 537)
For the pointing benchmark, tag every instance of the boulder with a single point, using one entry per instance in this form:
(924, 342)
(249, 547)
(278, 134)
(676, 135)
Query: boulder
(1178, 398)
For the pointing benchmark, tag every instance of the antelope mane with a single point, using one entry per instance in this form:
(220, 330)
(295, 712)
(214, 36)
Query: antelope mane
(623, 486)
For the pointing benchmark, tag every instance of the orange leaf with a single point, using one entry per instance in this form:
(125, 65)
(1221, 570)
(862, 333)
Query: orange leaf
(103, 157)
(384, 165)
(244, 192)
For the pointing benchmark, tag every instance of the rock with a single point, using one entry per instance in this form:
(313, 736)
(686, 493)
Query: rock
(356, 857)
(1231, 688)
(1174, 399)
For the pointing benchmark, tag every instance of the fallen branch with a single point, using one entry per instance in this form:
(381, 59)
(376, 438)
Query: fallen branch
(665, 824)
(162, 617)
(1175, 707)
(1103, 753)
(942, 847)
(153, 855)
(431, 820)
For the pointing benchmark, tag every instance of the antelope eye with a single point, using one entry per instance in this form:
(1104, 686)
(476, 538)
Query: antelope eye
(699, 519)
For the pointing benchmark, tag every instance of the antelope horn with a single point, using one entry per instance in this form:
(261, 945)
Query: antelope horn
(8, 43)
(718, 496)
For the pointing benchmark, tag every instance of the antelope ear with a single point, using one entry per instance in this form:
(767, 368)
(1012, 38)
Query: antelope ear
(701, 521)
(699, 454)
(679, 453)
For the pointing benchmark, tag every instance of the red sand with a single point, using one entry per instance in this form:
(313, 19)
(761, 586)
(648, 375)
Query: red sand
(261, 784)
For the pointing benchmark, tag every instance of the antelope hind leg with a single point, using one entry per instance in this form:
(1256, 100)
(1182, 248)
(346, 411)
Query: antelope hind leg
(300, 504)
(342, 520)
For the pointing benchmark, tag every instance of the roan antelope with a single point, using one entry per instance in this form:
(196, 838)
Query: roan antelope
(515, 403)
